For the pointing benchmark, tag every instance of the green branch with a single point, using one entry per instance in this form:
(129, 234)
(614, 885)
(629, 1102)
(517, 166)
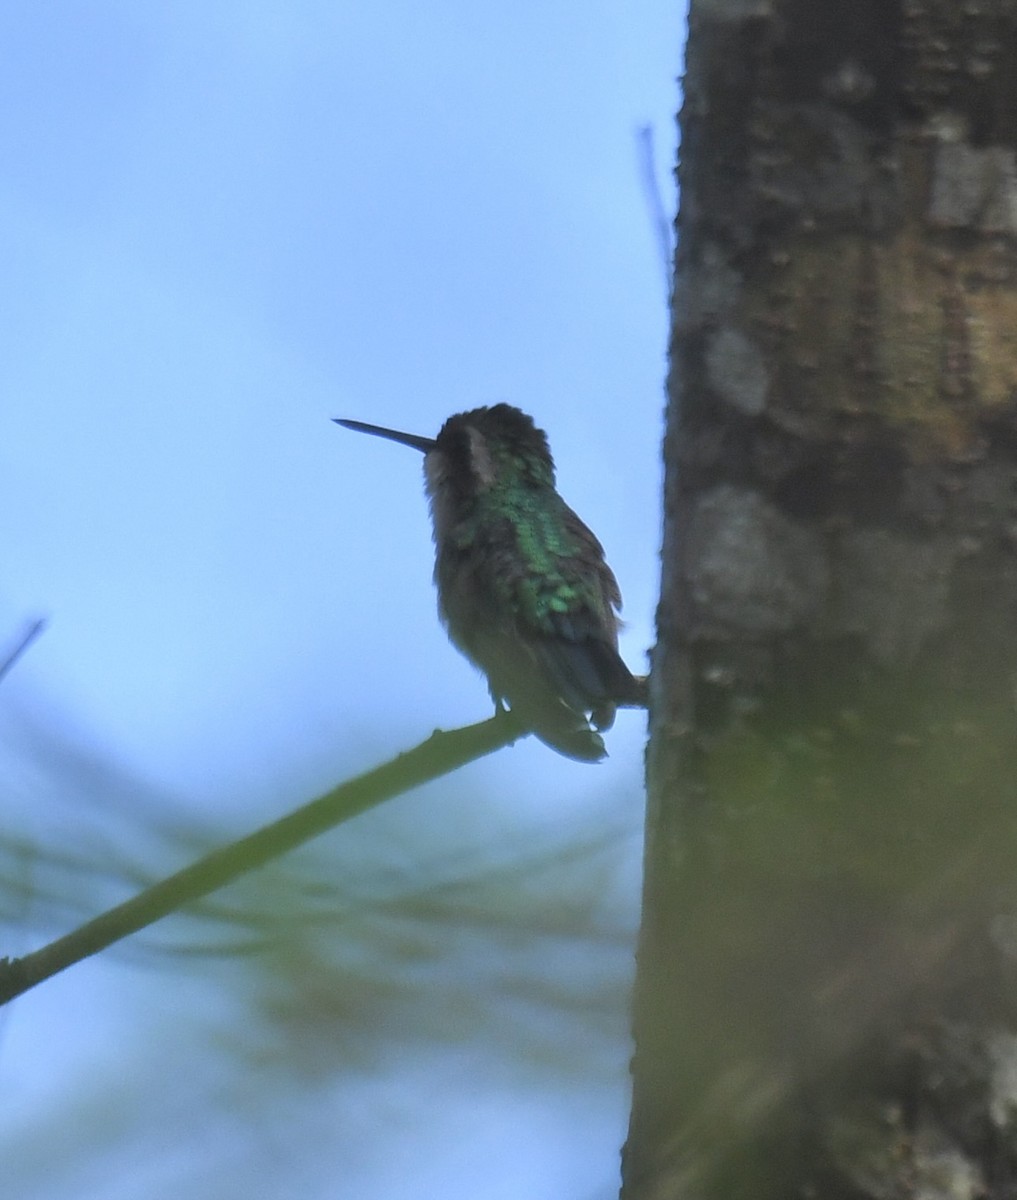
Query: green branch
(440, 754)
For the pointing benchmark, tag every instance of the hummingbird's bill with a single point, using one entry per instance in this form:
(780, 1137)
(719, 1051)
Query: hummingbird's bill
(404, 439)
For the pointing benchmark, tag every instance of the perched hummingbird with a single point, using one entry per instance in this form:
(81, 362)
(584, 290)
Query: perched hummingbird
(523, 588)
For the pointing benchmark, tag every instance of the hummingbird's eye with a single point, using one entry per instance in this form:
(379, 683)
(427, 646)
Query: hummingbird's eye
(456, 448)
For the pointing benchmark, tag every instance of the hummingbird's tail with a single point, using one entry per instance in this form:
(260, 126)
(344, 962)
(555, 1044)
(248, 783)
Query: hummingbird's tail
(590, 677)
(550, 688)
(552, 721)
(575, 740)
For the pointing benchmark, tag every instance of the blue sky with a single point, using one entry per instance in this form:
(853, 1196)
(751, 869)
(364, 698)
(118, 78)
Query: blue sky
(220, 226)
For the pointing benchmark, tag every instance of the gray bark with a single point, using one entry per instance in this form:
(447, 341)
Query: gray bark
(825, 1000)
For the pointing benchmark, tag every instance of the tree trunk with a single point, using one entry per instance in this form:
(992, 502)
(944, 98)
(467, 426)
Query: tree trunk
(826, 1001)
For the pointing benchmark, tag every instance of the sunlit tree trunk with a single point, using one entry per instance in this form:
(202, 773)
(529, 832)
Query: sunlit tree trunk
(826, 1000)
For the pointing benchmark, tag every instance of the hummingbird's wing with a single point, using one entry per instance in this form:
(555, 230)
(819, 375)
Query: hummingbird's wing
(567, 614)
(582, 653)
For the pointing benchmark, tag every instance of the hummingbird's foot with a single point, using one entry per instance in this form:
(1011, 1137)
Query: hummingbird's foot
(510, 720)
(503, 713)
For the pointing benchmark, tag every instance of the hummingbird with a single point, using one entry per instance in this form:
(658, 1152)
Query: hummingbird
(523, 588)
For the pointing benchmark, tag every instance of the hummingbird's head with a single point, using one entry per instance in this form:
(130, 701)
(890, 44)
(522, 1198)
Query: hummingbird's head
(485, 447)
(496, 446)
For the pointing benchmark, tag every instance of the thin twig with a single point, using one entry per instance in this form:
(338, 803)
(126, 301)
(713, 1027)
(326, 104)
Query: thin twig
(27, 638)
(440, 754)
(655, 204)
